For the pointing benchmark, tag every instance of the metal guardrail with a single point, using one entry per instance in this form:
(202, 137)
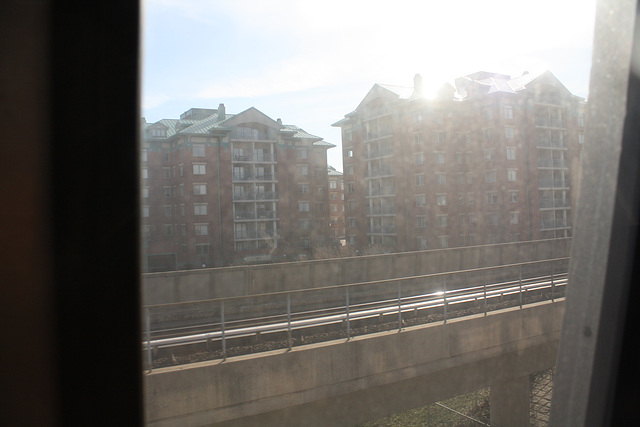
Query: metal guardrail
(442, 299)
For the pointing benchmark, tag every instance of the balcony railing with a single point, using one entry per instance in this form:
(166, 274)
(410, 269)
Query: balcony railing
(551, 143)
(254, 157)
(377, 210)
(553, 163)
(384, 191)
(552, 123)
(254, 234)
(553, 183)
(546, 224)
(554, 203)
(265, 195)
(252, 177)
(383, 171)
(383, 229)
(372, 154)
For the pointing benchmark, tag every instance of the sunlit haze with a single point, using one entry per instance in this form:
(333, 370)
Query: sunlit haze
(310, 63)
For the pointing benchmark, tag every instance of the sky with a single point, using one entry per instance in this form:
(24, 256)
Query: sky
(311, 62)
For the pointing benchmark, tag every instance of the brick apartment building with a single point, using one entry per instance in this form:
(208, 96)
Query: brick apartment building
(221, 189)
(336, 204)
(489, 161)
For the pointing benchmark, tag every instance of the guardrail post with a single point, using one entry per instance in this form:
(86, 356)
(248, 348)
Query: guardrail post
(224, 338)
(444, 298)
(289, 320)
(148, 326)
(520, 286)
(553, 299)
(484, 288)
(399, 306)
(347, 309)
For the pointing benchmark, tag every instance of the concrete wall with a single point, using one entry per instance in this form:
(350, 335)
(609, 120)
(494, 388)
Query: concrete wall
(194, 285)
(344, 383)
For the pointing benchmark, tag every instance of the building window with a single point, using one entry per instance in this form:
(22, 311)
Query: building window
(508, 112)
(144, 155)
(318, 207)
(492, 219)
(460, 178)
(441, 199)
(202, 229)
(304, 224)
(417, 117)
(472, 218)
(438, 137)
(469, 178)
(441, 179)
(333, 185)
(166, 173)
(421, 221)
(348, 170)
(334, 208)
(167, 211)
(417, 138)
(488, 154)
(305, 242)
(511, 153)
(167, 191)
(350, 187)
(202, 249)
(509, 132)
(490, 176)
(348, 152)
(165, 156)
(422, 243)
(511, 175)
(351, 205)
(199, 168)
(461, 199)
(492, 198)
(418, 158)
(581, 120)
(421, 200)
(442, 220)
(183, 229)
(468, 158)
(146, 231)
(197, 150)
(303, 188)
(443, 242)
(470, 199)
(168, 229)
(303, 170)
(182, 210)
(513, 197)
(459, 158)
(487, 114)
(514, 217)
(303, 206)
(351, 222)
(439, 158)
(145, 211)
(419, 179)
(199, 189)
(580, 138)
(145, 192)
(302, 154)
(145, 173)
(487, 133)
(181, 170)
(200, 209)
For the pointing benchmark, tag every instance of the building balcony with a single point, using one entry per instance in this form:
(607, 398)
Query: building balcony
(251, 215)
(547, 224)
(255, 157)
(383, 229)
(553, 183)
(251, 196)
(551, 143)
(554, 203)
(380, 133)
(387, 210)
(384, 191)
(380, 172)
(374, 154)
(551, 123)
(252, 177)
(553, 163)
(254, 234)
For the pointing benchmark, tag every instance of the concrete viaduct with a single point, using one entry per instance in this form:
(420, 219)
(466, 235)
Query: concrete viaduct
(342, 383)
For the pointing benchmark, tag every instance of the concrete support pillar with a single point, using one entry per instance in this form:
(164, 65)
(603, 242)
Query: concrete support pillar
(510, 403)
